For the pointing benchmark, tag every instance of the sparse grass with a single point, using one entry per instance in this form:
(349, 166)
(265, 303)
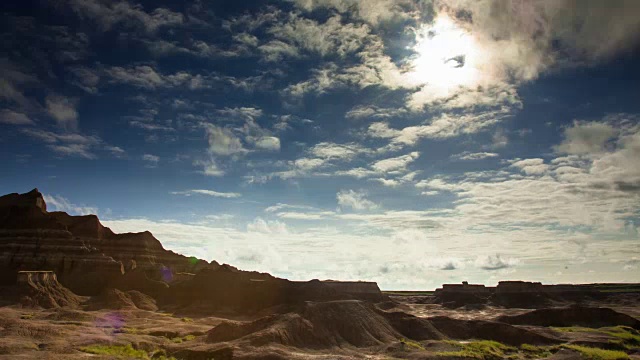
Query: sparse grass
(481, 349)
(186, 319)
(411, 344)
(26, 316)
(125, 352)
(598, 354)
(624, 336)
(130, 330)
(179, 340)
(536, 352)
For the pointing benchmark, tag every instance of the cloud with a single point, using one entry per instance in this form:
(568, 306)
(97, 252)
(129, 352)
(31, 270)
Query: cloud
(105, 15)
(69, 144)
(14, 118)
(271, 143)
(227, 195)
(531, 166)
(63, 110)
(355, 200)
(209, 167)
(222, 141)
(60, 203)
(441, 127)
(267, 227)
(146, 77)
(13, 81)
(371, 11)
(495, 262)
(399, 163)
(374, 112)
(473, 156)
(150, 158)
(586, 138)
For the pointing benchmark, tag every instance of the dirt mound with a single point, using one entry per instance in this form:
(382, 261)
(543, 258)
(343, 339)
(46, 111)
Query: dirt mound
(318, 325)
(412, 327)
(115, 299)
(142, 301)
(489, 330)
(572, 316)
(42, 290)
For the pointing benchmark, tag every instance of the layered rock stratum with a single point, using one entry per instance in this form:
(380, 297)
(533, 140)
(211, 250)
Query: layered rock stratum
(90, 259)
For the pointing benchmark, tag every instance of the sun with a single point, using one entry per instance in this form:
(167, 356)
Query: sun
(446, 57)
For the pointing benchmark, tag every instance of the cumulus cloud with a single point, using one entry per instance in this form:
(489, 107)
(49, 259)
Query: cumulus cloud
(586, 138)
(223, 141)
(227, 195)
(495, 262)
(355, 200)
(268, 143)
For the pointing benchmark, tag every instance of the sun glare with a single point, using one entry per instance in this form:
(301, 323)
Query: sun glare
(446, 57)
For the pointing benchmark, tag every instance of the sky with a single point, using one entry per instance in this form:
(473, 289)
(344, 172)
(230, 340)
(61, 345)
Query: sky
(407, 142)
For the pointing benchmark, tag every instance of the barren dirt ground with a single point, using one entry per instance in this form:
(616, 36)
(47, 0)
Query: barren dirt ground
(137, 334)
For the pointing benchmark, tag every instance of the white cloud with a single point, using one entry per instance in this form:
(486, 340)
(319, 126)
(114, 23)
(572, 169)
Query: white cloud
(531, 166)
(267, 227)
(227, 195)
(495, 262)
(474, 156)
(441, 127)
(586, 138)
(68, 144)
(60, 203)
(223, 141)
(209, 167)
(151, 158)
(268, 143)
(63, 110)
(355, 200)
(399, 163)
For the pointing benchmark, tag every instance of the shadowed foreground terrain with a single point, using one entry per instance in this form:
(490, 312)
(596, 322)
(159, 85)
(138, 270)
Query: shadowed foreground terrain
(70, 288)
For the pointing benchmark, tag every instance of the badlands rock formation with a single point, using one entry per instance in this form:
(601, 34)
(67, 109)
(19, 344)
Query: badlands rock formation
(91, 260)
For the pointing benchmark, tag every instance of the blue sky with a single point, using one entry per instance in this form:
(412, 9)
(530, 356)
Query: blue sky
(410, 143)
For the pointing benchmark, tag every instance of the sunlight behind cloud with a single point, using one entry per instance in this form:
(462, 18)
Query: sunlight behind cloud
(447, 58)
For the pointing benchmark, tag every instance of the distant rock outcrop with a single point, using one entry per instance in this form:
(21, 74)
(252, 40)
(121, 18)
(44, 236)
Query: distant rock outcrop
(594, 317)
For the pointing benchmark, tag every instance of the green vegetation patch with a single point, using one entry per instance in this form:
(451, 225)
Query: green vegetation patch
(411, 344)
(125, 352)
(179, 340)
(481, 349)
(598, 354)
(536, 352)
(624, 337)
